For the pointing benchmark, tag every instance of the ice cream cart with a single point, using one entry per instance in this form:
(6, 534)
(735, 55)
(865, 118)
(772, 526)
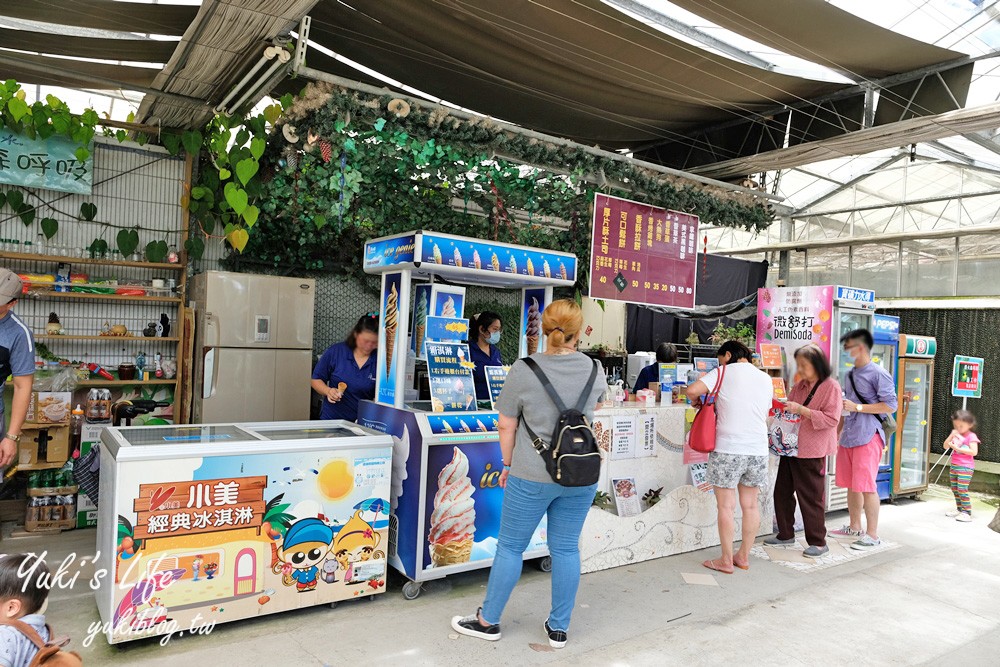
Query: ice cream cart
(206, 524)
(791, 317)
(445, 501)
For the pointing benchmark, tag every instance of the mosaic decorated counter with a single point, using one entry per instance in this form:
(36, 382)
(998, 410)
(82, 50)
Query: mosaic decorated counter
(645, 452)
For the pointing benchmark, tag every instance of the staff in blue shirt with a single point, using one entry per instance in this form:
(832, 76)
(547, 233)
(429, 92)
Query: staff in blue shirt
(666, 353)
(351, 362)
(17, 359)
(484, 334)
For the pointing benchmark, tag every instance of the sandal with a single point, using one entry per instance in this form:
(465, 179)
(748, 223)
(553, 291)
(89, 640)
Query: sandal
(712, 565)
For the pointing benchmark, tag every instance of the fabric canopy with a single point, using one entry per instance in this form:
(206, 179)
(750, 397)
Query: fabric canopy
(574, 68)
(819, 32)
(105, 14)
(135, 50)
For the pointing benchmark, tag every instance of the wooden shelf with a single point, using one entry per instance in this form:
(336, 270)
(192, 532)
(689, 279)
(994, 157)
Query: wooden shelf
(112, 339)
(123, 383)
(31, 467)
(106, 297)
(57, 259)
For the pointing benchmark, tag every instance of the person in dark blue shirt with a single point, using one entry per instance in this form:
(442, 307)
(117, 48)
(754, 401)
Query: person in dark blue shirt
(352, 363)
(484, 335)
(666, 353)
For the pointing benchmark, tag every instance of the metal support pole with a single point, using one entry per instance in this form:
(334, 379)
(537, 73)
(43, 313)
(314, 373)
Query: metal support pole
(787, 232)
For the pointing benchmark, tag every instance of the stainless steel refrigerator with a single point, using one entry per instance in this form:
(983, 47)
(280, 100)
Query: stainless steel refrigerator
(253, 347)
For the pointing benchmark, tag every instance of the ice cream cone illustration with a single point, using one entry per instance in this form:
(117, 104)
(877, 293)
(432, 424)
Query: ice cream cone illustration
(420, 323)
(476, 262)
(534, 326)
(495, 262)
(531, 267)
(453, 522)
(546, 270)
(390, 327)
(562, 271)
(481, 426)
(438, 406)
(465, 427)
(458, 258)
(448, 309)
(513, 265)
(437, 254)
(447, 427)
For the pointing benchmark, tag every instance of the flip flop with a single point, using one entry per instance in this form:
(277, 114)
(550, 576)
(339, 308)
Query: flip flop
(710, 564)
(742, 567)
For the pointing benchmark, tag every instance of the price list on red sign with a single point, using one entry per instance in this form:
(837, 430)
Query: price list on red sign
(643, 254)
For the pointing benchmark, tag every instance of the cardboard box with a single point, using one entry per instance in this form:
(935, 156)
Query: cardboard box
(50, 407)
(57, 445)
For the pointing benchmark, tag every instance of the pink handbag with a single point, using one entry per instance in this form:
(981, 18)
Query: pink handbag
(702, 435)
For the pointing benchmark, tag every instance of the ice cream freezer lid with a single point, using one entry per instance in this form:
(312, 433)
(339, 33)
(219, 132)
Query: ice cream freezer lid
(142, 436)
(319, 430)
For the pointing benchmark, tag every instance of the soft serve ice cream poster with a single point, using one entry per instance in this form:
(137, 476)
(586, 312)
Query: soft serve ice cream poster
(791, 317)
(447, 301)
(395, 297)
(532, 305)
(463, 505)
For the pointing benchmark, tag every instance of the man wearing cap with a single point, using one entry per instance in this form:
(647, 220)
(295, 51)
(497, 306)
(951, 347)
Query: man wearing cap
(17, 358)
(307, 542)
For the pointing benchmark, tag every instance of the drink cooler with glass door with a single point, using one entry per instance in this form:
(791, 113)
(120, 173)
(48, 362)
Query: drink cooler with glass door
(885, 331)
(915, 387)
(215, 523)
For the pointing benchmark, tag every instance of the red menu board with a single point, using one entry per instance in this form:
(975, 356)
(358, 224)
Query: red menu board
(643, 254)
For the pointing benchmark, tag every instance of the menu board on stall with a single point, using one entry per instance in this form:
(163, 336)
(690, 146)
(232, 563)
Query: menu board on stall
(705, 365)
(643, 254)
(779, 389)
(770, 355)
(447, 328)
(626, 496)
(668, 377)
(496, 376)
(699, 477)
(449, 373)
(646, 435)
(622, 437)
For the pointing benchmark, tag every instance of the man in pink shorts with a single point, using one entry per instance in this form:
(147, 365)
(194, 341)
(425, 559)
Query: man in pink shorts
(870, 394)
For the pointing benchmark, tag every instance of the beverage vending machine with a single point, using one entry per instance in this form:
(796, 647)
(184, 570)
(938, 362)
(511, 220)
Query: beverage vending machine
(791, 317)
(885, 331)
(915, 386)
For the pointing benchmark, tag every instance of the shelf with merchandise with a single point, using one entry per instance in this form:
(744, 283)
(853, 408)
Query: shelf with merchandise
(99, 261)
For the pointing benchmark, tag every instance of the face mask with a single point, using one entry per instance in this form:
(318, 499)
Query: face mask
(494, 338)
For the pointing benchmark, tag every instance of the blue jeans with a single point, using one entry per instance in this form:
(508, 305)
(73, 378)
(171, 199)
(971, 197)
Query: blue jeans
(524, 504)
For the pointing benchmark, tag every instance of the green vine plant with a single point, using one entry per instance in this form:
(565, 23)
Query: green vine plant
(340, 168)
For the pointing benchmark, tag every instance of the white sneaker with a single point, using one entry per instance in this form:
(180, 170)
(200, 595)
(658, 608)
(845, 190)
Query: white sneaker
(952, 514)
(866, 542)
(964, 517)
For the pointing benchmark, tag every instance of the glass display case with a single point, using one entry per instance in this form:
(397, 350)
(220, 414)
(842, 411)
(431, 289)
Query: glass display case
(913, 431)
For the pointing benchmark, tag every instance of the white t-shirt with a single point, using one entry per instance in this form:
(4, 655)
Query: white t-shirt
(741, 409)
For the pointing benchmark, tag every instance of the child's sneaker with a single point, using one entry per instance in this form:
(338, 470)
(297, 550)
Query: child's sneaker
(557, 638)
(964, 517)
(845, 531)
(952, 514)
(471, 627)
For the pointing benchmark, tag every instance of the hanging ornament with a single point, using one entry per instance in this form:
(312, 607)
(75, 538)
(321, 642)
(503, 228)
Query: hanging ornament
(288, 131)
(704, 265)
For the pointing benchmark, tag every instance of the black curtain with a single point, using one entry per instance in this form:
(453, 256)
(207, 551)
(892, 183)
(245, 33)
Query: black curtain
(720, 280)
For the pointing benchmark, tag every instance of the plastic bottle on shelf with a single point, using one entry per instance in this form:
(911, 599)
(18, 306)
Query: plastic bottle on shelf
(76, 431)
(40, 244)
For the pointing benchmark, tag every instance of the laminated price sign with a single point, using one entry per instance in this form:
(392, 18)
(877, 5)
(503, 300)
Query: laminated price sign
(967, 377)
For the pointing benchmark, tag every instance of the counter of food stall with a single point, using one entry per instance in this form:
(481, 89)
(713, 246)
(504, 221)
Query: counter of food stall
(653, 500)
(214, 523)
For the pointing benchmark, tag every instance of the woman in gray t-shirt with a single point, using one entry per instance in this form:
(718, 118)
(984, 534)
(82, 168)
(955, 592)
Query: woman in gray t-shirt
(529, 492)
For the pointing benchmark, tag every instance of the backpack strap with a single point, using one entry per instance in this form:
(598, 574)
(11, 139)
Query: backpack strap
(27, 631)
(548, 385)
(581, 405)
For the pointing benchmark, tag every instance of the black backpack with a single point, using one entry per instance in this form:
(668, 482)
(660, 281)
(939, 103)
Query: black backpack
(572, 458)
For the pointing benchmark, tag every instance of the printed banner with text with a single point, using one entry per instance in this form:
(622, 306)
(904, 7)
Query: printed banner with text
(643, 254)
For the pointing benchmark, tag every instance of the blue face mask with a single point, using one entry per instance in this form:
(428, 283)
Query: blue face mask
(494, 338)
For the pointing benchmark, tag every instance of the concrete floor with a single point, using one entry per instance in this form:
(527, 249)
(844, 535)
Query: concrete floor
(931, 601)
